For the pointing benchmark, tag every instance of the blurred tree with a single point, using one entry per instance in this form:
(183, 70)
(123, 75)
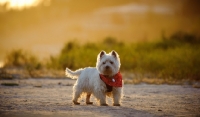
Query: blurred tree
(185, 37)
(190, 8)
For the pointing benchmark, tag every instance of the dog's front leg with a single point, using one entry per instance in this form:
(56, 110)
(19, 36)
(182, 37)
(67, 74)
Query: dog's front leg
(103, 100)
(101, 97)
(116, 96)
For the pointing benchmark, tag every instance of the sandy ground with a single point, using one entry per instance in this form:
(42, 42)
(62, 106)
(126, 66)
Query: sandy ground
(52, 98)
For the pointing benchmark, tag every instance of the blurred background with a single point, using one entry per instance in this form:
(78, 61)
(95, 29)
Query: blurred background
(154, 38)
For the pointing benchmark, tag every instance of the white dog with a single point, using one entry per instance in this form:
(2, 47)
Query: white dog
(103, 80)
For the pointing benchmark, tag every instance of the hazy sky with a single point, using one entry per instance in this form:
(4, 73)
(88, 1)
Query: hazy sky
(44, 29)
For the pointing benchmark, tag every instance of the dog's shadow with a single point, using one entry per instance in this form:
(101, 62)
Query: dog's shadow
(111, 111)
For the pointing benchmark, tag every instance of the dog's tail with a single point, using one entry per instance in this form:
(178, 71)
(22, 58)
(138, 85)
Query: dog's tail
(73, 74)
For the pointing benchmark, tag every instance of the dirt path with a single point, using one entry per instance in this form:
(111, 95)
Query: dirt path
(50, 97)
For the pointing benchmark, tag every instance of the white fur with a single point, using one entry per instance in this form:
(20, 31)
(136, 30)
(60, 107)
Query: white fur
(89, 81)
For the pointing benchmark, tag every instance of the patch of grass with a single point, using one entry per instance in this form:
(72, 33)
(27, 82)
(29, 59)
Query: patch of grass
(38, 86)
(10, 84)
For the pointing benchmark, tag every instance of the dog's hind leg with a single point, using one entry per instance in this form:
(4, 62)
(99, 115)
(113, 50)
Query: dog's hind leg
(88, 99)
(76, 95)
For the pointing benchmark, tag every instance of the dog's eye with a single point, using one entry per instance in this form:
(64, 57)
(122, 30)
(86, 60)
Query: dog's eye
(104, 62)
(111, 62)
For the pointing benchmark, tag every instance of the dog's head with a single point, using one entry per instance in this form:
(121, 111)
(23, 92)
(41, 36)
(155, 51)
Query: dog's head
(108, 64)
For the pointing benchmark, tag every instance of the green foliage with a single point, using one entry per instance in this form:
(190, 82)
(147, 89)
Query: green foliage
(21, 59)
(174, 58)
(168, 58)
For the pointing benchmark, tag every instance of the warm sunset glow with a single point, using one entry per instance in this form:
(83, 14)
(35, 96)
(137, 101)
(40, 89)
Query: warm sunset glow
(20, 4)
(1, 64)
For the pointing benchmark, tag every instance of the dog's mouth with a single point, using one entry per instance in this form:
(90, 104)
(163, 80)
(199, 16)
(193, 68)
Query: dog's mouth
(107, 72)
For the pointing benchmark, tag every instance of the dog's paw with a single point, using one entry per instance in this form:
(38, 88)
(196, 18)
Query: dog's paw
(76, 103)
(89, 103)
(104, 104)
(116, 104)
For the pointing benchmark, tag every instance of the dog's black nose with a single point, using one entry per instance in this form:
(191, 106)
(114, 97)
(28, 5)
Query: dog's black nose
(107, 67)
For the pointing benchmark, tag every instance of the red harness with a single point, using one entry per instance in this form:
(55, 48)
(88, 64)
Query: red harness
(116, 81)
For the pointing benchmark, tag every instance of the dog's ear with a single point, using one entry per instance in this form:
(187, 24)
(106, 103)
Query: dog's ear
(113, 53)
(102, 53)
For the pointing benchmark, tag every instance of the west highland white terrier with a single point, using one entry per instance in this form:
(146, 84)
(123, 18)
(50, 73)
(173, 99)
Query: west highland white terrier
(104, 79)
